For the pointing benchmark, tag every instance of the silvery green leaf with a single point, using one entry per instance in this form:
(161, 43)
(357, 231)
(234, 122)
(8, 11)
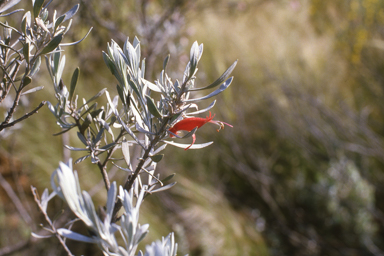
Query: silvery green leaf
(152, 86)
(142, 231)
(121, 168)
(58, 22)
(129, 55)
(75, 149)
(69, 14)
(141, 129)
(81, 159)
(224, 86)
(36, 67)
(136, 45)
(12, 12)
(45, 197)
(98, 136)
(163, 188)
(114, 110)
(89, 109)
(120, 92)
(184, 146)
(74, 43)
(37, 6)
(134, 87)
(166, 247)
(218, 81)
(40, 236)
(94, 97)
(25, 23)
(112, 192)
(75, 236)
(26, 51)
(9, 4)
(44, 13)
(108, 146)
(82, 138)
(109, 62)
(52, 45)
(166, 60)
(203, 110)
(152, 107)
(194, 58)
(33, 90)
(51, 108)
(107, 127)
(126, 154)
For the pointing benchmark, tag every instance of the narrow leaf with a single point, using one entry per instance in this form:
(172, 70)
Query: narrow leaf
(121, 94)
(94, 97)
(82, 138)
(108, 146)
(59, 21)
(169, 177)
(26, 52)
(218, 81)
(152, 107)
(152, 86)
(86, 123)
(203, 110)
(166, 60)
(74, 80)
(75, 236)
(224, 86)
(37, 8)
(10, 13)
(69, 14)
(36, 67)
(7, 5)
(52, 45)
(40, 236)
(126, 154)
(32, 90)
(74, 43)
(75, 149)
(184, 146)
(81, 159)
(166, 187)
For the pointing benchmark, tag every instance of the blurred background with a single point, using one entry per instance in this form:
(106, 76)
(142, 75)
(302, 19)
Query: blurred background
(301, 171)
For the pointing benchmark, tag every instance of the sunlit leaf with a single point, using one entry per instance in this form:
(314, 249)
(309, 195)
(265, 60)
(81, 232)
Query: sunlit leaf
(8, 4)
(33, 90)
(184, 146)
(52, 45)
(224, 86)
(75, 236)
(218, 81)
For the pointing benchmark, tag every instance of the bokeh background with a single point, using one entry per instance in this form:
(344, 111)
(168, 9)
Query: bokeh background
(300, 173)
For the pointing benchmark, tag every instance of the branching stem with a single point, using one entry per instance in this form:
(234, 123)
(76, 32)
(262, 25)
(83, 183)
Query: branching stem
(53, 229)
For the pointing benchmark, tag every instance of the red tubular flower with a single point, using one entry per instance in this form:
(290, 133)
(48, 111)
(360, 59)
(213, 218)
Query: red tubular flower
(190, 123)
